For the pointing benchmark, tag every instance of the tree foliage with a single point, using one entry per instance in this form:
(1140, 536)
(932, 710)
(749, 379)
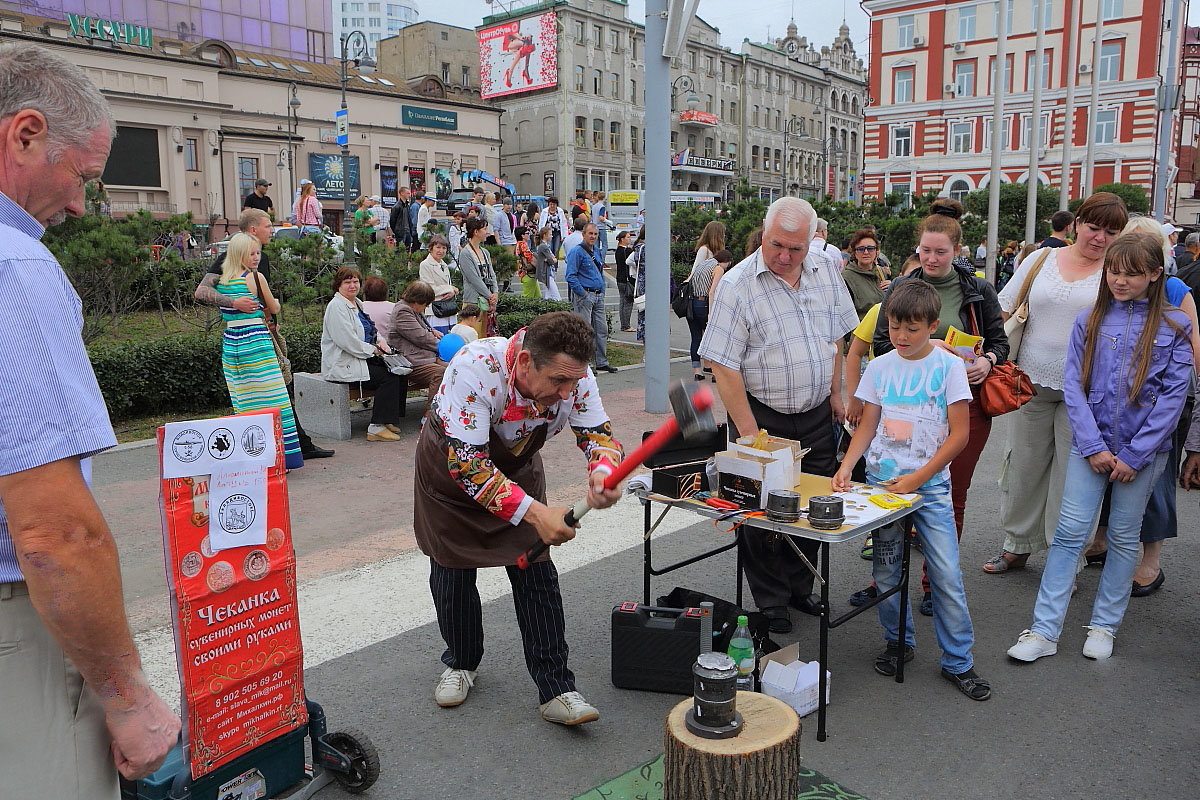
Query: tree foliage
(1011, 224)
(1134, 196)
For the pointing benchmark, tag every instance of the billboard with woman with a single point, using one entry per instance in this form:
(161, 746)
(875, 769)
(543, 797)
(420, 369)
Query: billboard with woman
(518, 56)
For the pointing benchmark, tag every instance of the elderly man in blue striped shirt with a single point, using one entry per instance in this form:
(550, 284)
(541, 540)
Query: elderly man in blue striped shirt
(67, 725)
(773, 337)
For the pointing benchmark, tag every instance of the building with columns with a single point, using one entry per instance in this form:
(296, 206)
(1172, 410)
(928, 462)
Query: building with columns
(933, 68)
(772, 114)
(198, 124)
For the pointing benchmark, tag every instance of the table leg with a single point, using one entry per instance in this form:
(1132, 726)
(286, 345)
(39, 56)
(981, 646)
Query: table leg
(646, 556)
(823, 653)
(903, 628)
(741, 542)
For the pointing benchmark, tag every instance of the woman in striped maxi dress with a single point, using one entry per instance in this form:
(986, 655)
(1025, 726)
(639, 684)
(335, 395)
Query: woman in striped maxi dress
(247, 355)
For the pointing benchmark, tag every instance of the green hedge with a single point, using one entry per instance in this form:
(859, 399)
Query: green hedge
(183, 372)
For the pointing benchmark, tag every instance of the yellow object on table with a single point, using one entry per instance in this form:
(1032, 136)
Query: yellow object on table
(889, 501)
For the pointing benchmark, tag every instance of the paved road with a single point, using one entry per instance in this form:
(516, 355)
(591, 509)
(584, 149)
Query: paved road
(1064, 727)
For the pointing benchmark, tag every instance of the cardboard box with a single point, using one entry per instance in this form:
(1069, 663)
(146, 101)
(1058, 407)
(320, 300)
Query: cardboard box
(680, 480)
(784, 676)
(746, 478)
(786, 450)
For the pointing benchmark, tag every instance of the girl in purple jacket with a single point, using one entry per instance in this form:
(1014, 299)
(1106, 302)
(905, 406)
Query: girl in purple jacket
(1128, 364)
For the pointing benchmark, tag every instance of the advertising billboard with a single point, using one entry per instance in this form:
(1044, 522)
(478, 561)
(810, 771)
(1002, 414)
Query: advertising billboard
(325, 170)
(518, 56)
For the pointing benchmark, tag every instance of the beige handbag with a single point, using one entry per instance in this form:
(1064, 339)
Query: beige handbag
(1014, 326)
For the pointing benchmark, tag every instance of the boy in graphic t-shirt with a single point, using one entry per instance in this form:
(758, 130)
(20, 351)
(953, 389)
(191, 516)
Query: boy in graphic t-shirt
(914, 422)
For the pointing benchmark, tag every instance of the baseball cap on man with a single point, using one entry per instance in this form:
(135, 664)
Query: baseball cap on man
(262, 182)
(1168, 229)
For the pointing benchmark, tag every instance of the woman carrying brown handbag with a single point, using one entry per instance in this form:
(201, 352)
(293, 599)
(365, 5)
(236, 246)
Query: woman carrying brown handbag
(968, 303)
(1039, 442)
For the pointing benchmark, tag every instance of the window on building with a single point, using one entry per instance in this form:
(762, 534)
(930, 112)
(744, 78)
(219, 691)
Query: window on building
(1005, 137)
(372, 6)
(1047, 8)
(902, 85)
(580, 132)
(1008, 84)
(1113, 9)
(902, 141)
(580, 31)
(708, 64)
(1031, 70)
(597, 36)
(345, 22)
(733, 115)
(247, 174)
(966, 24)
(692, 60)
(754, 116)
(795, 89)
(597, 82)
(754, 157)
(466, 75)
(316, 46)
(733, 150)
(614, 40)
(674, 142)
(691, 142)
(596, 182)
(1043, 130)
(778, 161)
(904, 189)
(1110, 61)
(633, 47)
(614, 180)
(959, 190)
(445, 36)
(757, 81)
(581, 176)
(779, 83)
(960, 137)
(1106, 126)
(445, 72)
(633, 93)
(191, 154)
(708, 147)
(614, 137)
(374, 22)
(614, 86)
(964, 78)
(633, 139)
(1009, 18)
(597, 134)
(906, 28)
(578, 78)
(724, 70)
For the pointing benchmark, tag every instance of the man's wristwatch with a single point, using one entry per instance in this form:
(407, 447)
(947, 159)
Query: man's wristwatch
(991, 357)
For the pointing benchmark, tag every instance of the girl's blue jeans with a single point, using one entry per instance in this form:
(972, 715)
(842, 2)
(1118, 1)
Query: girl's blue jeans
(1083, 492)
(939, 544)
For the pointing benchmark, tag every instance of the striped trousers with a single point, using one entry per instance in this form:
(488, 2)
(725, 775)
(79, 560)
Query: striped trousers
(539, 615)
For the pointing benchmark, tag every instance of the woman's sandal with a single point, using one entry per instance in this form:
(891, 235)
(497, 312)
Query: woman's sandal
(970, 684)
(1000, 563)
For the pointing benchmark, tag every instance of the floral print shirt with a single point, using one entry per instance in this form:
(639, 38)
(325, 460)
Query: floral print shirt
(478, 397)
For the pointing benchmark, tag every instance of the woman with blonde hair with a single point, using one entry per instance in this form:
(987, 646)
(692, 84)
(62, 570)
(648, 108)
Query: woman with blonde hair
(248, 359)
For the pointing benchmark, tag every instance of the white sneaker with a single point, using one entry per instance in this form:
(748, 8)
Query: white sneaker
(1031, 646)
(1099, 643)
(453, 687)
(569, 708)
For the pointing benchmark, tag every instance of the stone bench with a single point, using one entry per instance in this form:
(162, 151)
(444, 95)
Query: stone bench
(331, 409)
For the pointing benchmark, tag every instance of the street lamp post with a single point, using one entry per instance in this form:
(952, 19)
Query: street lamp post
(293, 105)
(360, 55)
(793, 128)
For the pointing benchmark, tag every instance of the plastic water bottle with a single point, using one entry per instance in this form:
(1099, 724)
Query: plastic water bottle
(741, 650)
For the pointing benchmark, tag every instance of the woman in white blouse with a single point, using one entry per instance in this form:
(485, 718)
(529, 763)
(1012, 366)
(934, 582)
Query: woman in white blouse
(1039, 442)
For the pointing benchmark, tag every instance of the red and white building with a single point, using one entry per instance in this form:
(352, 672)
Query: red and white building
(932, 70)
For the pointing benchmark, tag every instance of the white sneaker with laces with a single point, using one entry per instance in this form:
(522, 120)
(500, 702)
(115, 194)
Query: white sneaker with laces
(1099, 644)
(569, 708)
(453, 686)
(1031, 646)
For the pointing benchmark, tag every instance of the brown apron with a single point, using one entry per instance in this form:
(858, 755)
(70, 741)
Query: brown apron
(451, 527)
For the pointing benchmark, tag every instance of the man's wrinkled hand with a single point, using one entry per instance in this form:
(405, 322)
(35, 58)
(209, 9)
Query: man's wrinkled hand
(598, 496)
(141, 735)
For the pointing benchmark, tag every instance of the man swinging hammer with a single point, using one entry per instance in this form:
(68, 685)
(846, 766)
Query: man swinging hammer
(481, 496)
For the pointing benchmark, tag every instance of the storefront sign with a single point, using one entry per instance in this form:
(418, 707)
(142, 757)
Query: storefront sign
(327, 174)
(548, 183)
(429, 118)
(110, 30)
(234, 617)
(697, 116)
(685, 159)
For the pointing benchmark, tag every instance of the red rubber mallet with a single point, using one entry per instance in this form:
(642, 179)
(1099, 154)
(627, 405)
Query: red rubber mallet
(691, 408)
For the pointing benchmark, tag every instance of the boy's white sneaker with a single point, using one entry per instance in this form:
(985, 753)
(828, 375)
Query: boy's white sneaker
(1099, 643)
(1031, 646)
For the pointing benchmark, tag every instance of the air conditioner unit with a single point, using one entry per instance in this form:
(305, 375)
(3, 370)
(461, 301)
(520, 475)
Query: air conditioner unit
(1084, 69)
(950, 87)
(959, 47)
(918, 41)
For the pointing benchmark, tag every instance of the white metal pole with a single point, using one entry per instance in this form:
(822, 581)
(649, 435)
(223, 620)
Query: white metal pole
(1168, 101)
(998, 89)
(1071, 34)
(1035, 124)
(658, 212)
(1089, 160)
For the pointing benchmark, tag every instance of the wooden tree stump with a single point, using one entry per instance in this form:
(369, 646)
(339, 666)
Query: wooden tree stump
(760, 763)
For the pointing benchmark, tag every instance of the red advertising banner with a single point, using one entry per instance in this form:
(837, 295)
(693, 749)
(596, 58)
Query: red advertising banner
(236, 626)
(518, 56)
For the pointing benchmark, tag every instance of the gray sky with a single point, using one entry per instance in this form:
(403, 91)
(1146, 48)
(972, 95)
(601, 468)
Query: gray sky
(756, 20)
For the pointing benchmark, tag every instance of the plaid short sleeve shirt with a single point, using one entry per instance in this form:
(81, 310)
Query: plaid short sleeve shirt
(781, 339)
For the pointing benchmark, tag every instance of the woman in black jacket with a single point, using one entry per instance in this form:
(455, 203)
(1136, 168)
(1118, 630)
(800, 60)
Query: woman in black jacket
(969, 304)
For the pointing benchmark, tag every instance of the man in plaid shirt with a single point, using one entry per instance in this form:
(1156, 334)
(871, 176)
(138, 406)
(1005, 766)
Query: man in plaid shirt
(773, 338)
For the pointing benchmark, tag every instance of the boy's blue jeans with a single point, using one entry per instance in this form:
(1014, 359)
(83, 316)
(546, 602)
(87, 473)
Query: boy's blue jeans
(1083, 492)
(939, 544)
